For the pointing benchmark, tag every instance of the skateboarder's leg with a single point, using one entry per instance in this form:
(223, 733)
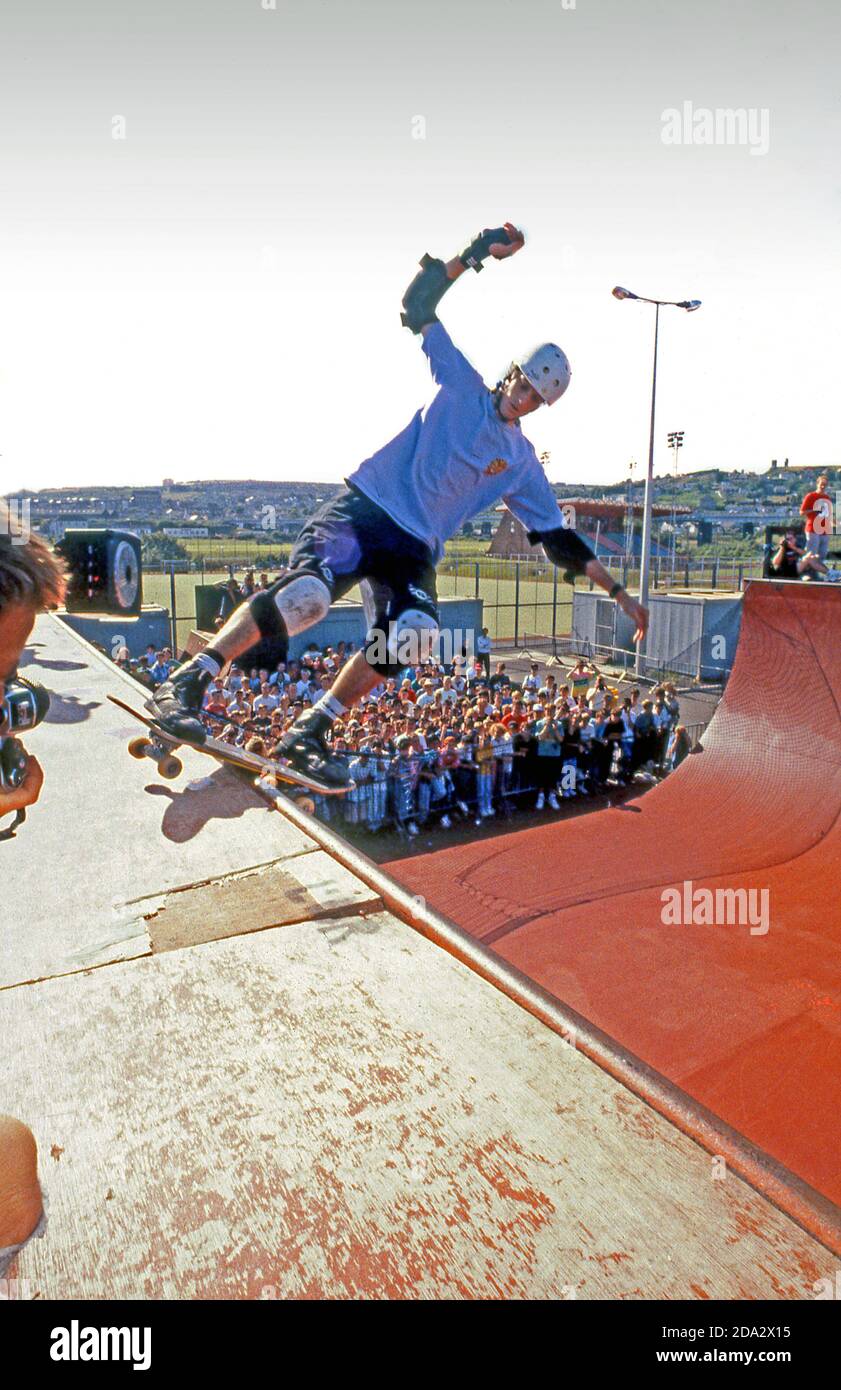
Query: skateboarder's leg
(401, 610)
(322, 568)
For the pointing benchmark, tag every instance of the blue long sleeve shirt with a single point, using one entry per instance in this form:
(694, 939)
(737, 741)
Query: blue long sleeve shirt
(455, 458)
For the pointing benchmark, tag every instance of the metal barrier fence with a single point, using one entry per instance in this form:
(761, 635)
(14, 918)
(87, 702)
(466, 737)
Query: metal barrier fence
(526, 602)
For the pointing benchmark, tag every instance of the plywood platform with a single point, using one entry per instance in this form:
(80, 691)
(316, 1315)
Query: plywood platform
(288, 1092)
(341, 1110)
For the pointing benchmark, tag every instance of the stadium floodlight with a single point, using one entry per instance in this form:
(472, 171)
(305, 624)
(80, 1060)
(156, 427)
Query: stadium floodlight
(619, 292)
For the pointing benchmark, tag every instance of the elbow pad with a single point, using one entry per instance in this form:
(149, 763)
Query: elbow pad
(565, 549)
(424, 294)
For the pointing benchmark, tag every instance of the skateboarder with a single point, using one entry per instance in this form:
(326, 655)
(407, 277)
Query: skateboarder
(387, 529)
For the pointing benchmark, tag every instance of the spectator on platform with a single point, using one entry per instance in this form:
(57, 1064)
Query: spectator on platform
(679, 747)
(614, 733)
(586, 734)
(483, 652)
(516, 714)
(160, 668)
(792, 561)
(503, 750)
(816, 507)
(663, 726)
(238, 705)
(550, 738)
(404, 774)
(499, 678)
(598, 694)
(471, 751)
(449, 695)
(531, 682)
(483, 757)
(215, 702)
(570, 756)
(580, 677)
(671, 701)
(627, 736)
(267, 701)
(645, 736)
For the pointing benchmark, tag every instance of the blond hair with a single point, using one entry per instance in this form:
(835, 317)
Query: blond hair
(29, 572)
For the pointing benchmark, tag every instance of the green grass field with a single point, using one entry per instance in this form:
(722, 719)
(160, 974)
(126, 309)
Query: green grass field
(498, 595)
(269, 553)
(465, 572)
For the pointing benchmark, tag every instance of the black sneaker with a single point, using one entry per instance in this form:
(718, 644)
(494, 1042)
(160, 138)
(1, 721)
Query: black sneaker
(177, 702)
(308, 751)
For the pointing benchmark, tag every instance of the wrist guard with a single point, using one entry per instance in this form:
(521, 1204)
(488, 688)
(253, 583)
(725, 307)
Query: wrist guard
(479, 249)
(424, 294)
(565, 549)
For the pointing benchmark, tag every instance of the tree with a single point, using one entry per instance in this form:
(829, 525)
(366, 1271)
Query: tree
(158, 548)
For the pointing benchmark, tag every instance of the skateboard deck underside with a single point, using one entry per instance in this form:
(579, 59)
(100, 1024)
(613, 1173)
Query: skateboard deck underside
(162, 747)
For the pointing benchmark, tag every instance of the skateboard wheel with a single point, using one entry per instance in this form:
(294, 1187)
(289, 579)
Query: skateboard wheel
(139, 746)
(169, 767)
(305, 804)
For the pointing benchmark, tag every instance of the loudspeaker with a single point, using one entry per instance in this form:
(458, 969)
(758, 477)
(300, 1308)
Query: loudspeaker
(106, 571)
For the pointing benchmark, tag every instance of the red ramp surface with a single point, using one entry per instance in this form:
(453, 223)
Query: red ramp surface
(746, 1022)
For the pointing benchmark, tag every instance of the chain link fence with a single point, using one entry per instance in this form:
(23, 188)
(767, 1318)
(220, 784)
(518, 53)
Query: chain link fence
(526, 603)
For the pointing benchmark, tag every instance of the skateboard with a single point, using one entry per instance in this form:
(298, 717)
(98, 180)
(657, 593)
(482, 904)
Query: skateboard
(162, 747)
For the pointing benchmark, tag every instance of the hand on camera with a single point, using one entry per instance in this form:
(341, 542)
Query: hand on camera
(18, 798)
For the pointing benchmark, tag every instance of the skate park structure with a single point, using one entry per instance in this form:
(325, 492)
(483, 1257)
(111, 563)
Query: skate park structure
(257, 1071)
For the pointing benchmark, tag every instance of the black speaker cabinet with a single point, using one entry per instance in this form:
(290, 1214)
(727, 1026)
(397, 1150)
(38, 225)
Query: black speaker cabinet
(106, 571)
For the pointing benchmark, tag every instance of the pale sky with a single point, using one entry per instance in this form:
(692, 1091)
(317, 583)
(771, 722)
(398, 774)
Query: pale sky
(217, 294)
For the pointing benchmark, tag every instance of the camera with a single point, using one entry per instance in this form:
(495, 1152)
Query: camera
(24, 706)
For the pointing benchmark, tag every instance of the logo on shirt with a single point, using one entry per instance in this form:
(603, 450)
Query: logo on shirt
(496, 466)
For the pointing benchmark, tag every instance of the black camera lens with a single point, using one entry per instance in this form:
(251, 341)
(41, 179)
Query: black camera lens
(25, 705)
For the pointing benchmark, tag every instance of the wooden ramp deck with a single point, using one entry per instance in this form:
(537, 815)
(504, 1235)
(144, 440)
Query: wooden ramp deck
(270, 1086)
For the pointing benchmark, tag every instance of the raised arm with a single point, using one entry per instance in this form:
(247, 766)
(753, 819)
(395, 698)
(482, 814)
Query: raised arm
(435, 276)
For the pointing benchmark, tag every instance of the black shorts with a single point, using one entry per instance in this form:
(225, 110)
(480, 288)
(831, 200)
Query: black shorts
(349, 541)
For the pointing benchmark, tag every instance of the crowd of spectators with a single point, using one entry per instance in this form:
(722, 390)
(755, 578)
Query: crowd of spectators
(442, 745)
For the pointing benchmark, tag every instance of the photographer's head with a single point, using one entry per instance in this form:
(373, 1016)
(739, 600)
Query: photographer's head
(31, 579)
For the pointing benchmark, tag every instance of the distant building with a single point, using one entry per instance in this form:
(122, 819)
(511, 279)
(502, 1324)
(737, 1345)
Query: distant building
(604, 525)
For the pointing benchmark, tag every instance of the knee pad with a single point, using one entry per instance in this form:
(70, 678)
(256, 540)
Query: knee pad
(296, 602)
(400, 642)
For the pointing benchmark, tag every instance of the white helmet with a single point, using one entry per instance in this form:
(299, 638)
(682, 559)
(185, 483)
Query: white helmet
(547, 369)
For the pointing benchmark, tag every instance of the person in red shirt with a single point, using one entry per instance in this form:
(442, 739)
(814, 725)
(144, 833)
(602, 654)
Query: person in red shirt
(517, 714)
(817, 509)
